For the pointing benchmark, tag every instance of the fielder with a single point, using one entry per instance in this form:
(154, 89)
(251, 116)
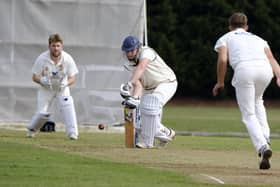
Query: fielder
(155, 83)
(253, 64)
(55, 70)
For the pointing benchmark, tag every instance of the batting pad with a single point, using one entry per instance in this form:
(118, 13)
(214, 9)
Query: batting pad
(67, 109)
(38, 120)
(150, 109)
(137, 118)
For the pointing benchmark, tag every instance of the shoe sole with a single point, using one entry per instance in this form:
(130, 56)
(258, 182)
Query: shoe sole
(264, 164)
(139, 147)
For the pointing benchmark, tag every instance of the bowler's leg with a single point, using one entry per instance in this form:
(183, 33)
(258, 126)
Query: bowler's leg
(246, 100)
(261, 85)
(245, 97)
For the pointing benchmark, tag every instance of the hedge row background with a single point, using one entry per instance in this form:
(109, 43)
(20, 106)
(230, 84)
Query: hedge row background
(184, 32)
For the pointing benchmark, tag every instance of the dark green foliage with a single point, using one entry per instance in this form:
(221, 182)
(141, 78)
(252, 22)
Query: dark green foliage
(184, 33)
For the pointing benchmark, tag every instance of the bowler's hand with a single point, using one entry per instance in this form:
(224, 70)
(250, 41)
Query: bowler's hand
(278, 82)
(217, 87)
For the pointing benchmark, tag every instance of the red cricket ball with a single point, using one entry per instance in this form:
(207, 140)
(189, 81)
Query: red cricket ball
(101, 126)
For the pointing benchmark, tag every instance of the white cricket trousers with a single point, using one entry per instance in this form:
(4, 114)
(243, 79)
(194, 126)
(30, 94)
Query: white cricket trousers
(164, 92)
(250, 82)
(45, 98)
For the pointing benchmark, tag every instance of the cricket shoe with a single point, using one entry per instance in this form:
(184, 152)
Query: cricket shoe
(266, 154)
(171, 133)
(268, 142)
(143, 146)
(30, 133)
(73, 137)
(163, 141)
(166, 135)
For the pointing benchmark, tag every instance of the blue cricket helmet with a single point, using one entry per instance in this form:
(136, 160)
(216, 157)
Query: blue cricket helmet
(130, 43)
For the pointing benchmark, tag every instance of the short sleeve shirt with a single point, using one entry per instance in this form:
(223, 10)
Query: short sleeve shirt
(157, 70)
(65, 68)
(242, 47)
(44, 66)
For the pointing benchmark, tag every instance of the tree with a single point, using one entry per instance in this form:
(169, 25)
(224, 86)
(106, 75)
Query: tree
(184, 32)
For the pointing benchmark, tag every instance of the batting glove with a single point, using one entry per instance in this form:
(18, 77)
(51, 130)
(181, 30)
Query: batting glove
(125, 90)
(45, 82)
(131, 102)
(64, 83)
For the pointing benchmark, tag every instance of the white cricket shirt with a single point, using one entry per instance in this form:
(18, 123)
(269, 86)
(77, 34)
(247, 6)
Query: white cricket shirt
(44, 66)
(65, 68)
(157, 70)
(243, 47)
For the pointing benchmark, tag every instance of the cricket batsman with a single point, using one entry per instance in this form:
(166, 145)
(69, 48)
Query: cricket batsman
(155, 83)
(54, 70)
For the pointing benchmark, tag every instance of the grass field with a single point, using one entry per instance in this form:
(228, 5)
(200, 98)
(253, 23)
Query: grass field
(100, 159)
(213, 119)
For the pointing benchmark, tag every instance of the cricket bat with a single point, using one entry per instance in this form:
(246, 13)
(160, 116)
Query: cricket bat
(131, 121)
(129, 127)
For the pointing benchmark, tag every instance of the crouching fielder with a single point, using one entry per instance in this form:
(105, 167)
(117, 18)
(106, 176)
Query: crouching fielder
(55, 71)
(155, 83)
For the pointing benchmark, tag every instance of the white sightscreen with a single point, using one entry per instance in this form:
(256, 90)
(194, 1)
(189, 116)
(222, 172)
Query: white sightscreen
(92, 31)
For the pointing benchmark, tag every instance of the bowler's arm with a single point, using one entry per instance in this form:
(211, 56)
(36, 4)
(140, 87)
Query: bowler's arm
(221, 69)
(274, 64)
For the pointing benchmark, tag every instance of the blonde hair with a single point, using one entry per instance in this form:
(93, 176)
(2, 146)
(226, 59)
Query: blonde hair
(238, 19)
(55, 38)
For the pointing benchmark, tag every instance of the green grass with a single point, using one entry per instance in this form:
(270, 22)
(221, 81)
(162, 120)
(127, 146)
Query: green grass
(26, 165)
(212, 119)
(100, 159)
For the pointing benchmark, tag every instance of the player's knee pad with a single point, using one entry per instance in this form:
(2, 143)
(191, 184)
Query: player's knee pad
(66, 106)
(38, 120)
(150, 105)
